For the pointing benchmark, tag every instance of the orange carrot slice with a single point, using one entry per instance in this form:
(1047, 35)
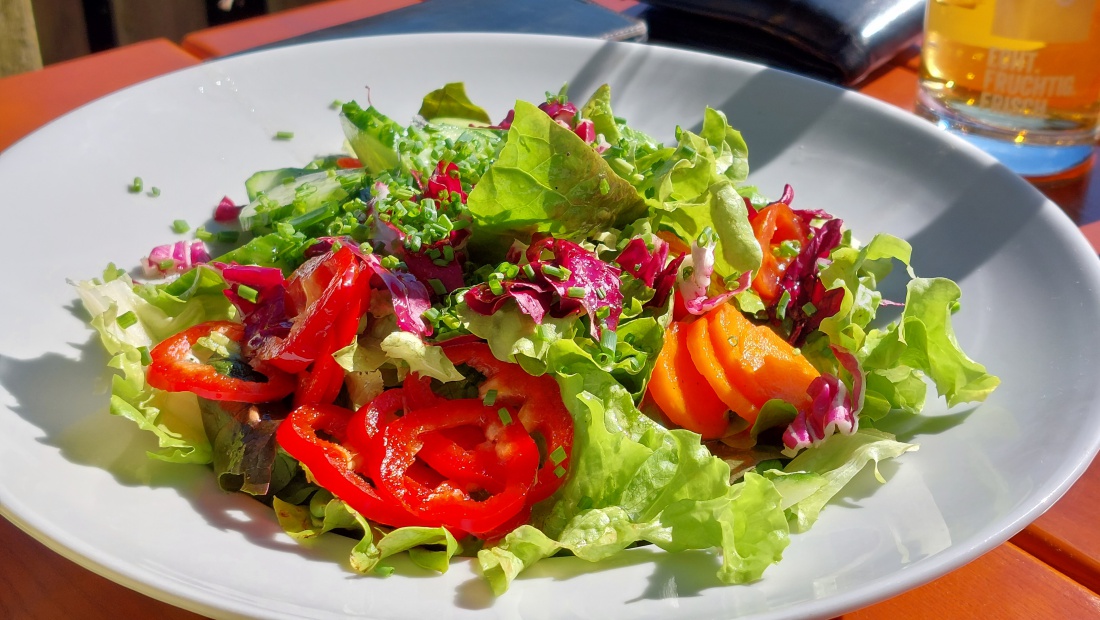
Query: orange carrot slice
(681, 391)
(758, 361)
(706, 361)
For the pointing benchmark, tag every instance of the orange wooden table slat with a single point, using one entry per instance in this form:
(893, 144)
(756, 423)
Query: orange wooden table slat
(38, 584)
(1066, 537)
(30, 100)
(266, 29)
(1004, 583)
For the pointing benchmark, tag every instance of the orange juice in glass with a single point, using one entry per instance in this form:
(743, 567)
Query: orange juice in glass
(1020, 78)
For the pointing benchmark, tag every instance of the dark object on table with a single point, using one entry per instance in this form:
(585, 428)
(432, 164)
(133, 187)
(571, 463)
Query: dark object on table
(840, 41)
(561, 17)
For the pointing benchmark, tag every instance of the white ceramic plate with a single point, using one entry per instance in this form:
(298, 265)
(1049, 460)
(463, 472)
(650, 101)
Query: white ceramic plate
(77, 478)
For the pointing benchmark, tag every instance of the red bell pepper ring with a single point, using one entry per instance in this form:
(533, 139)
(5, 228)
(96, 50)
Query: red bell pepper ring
(538, 404)
(449, 504)
(322, 383)
(320, 290)
(336, 465)
(174, 370)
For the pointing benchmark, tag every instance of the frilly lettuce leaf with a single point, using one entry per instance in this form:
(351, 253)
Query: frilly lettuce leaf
(746, 523)
(161, 311)
(429, 547)
(920, 344)
(837, 460)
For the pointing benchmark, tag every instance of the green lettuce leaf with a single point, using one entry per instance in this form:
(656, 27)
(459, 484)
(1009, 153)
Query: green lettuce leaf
(161, 311)
(429, 547)
(747, 524)
(546, 179)
(837, 460)
(450, 105)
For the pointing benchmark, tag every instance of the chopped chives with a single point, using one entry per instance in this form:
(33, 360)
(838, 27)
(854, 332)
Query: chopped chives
(448, 253)
(366, 248)
(137, 185)
(490, 398)
(227, 236)
(203, 235)
(603, 312)
(529, 271)
(284, 135)
(431, 314)
(608, 340)
(605, 187)
(561, 273)
(559, 471)
(181, 226)
(809, 308)
(495, 287)
(441, 262)
(126, 319)
(585, 503)
(601, 293)
(437, 286)
(248, 293)
(781, 307)
(166, 264)
(558, 455)
(145, 358)
(505, 417)
(576, 292)
(154, 192)
(336, 104)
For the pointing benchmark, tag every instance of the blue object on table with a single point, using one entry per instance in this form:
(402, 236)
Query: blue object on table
(559, 17)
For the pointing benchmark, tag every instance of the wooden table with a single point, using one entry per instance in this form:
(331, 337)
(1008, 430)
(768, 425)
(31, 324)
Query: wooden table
(1050, 570)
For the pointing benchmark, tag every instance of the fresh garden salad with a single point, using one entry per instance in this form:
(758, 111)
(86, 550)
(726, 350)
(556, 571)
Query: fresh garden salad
(549, 335)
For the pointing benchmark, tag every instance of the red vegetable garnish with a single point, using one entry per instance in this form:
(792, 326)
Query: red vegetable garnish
(317, 435)
(449, 503)
(173, 369)
(317, 293)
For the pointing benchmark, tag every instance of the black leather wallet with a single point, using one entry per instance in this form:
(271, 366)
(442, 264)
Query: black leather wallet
(840, 41)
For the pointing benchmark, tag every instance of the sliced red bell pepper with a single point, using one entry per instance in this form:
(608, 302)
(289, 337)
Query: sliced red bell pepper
(174, 369)
(771, 226)
(537, 401)
(323, 381)
(319, 291)
(449, 503)
(336, 464)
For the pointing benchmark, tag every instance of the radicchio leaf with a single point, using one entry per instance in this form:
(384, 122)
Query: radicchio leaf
(174, 258)
(810, 303)
(599, 281)
(833, 408)
(409, 295)
(694, 287)
(548, 294)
